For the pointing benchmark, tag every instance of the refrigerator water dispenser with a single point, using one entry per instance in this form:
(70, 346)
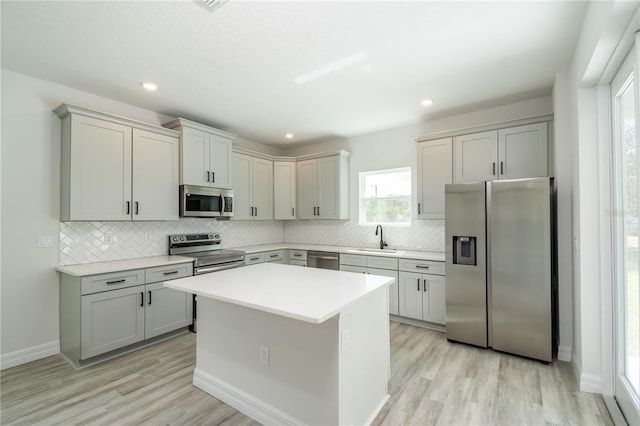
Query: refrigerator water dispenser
(464, 250)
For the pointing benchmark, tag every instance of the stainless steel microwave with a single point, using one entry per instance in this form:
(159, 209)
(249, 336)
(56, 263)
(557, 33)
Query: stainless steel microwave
(201, 201)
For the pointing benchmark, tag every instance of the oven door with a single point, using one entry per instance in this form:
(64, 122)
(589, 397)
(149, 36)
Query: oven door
(197, 201)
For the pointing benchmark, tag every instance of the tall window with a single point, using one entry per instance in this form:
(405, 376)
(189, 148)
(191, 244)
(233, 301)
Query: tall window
(385, 197)
(626, 160)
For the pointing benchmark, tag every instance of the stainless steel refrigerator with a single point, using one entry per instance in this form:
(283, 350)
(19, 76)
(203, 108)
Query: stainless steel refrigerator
(500, 265)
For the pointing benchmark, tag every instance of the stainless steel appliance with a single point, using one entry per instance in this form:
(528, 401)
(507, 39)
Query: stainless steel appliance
(499, 263)
(208, 256)
(201, 201)
(323, 260)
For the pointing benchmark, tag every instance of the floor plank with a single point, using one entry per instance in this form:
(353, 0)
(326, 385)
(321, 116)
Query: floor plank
(433, 382)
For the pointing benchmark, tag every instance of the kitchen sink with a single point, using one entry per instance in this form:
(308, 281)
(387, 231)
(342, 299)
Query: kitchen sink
(377, 251)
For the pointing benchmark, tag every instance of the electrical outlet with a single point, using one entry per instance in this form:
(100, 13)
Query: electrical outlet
(264, 355)
(345, 340)
(108, 238)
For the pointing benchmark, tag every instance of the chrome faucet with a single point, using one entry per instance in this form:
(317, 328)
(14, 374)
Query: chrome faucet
(382, 243)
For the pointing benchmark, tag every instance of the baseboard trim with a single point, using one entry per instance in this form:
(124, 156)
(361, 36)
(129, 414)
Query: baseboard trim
(26, 355)
(257, 409)
(564, 353)
(418, 323)
(590, 383)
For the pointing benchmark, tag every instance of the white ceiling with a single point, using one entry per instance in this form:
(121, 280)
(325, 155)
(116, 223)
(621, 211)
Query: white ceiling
(235, 68)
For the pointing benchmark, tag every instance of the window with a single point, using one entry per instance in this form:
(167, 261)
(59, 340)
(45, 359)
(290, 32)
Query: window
(385, 197)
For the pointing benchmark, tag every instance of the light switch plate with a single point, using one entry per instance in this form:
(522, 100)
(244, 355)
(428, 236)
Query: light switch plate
(45, 241)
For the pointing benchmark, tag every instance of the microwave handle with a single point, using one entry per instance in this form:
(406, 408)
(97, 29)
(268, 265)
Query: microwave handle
(222, 206)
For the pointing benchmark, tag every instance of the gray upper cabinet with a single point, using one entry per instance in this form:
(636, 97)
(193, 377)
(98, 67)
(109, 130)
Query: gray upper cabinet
(113, 168)
(435, 169)
(323, 187)
(205, 154)
(509, 153)
(253, 187)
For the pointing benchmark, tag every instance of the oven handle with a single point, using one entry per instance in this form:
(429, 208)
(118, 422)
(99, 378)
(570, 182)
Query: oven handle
(201, 271)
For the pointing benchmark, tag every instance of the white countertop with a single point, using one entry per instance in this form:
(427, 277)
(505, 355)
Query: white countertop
(399, 253)
(306, 294)
(85, 269)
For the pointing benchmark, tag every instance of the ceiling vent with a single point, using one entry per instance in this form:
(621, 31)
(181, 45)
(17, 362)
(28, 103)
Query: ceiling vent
(210, 5)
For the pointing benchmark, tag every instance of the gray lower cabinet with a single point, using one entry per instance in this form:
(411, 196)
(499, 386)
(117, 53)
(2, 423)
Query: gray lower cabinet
(297, 257)
(274, 256)
(422, 297)
(105, 312)
(376, 265)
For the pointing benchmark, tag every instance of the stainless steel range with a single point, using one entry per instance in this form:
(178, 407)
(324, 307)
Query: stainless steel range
(208, 256)
(206, 250)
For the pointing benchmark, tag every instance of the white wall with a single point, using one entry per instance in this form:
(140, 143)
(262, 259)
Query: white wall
(600, 50)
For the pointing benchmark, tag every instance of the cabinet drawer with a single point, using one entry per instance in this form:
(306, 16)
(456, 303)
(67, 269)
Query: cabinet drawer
(351, 268)
(111, 281)
(168, 272)
(250, 259)
(382, 262)
(422, 266)
(272, 256)
(353, 259)
(298, 262)
(297, 255)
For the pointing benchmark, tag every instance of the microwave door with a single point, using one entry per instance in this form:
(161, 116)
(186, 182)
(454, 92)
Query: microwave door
(227, 205)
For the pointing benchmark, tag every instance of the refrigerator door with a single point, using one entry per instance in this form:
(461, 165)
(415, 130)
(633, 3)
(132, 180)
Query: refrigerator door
(519, 231)
(465, 254)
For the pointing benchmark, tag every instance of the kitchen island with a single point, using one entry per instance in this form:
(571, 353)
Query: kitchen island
(293, 345)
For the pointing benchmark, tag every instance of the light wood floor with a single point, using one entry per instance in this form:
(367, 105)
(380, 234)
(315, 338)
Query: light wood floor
(433, 382)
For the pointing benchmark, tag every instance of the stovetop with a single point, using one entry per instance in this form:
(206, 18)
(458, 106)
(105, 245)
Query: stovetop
(204, 248)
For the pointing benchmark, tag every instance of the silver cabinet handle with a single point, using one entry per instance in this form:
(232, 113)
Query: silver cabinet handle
(116, 281)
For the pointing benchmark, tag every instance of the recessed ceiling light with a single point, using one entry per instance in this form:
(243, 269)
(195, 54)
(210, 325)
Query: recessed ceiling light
(288, 135)
(152, 87)
(427, 102)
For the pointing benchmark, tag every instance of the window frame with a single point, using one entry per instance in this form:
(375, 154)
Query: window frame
(362, 199)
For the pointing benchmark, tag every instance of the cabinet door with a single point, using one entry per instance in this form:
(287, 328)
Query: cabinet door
(166, 310)
(410, 295)
(111, 320)
(434, 307)
(100, 175)
(195, 157)
(262, 188)
(522, 151)
(155, 176)
(328, 188)
(307, 189)
(475, 157)
(284, 190)
(220, 161)
(392, 289)
(242, 176)
(435, 169)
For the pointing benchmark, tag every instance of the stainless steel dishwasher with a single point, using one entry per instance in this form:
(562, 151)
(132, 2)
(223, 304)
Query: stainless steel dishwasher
(323, 259)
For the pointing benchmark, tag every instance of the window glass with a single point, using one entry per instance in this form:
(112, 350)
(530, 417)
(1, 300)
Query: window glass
(385, 197)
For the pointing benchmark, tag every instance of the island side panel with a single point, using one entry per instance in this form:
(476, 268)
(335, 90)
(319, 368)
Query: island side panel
(364, 359)
(300, 382)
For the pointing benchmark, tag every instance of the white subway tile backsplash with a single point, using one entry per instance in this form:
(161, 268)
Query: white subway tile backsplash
(85, 242)
(427, 235)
